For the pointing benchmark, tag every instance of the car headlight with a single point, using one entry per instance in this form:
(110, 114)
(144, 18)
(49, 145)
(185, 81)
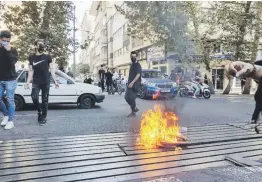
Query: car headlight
(151, 84)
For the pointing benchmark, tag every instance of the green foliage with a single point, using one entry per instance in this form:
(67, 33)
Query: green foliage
(48, 20)
(164, 23)
(236, 20)
(2, 6)
(82, 69)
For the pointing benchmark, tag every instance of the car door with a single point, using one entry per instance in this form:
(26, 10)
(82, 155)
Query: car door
(66, 93)
(20, 90)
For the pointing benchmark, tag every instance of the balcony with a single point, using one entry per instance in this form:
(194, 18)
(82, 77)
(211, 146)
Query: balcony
(103, 40)
(126, 39)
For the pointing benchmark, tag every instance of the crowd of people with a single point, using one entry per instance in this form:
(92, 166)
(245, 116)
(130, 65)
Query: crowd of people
(41, 70)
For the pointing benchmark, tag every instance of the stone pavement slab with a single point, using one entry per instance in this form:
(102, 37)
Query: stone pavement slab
(117, 157)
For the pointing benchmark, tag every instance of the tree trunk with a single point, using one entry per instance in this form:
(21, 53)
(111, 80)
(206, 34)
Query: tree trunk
(229, 85)
(45, 28)
(242, 29)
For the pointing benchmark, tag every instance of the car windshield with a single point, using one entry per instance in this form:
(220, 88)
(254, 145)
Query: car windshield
(62, 74)
(151, 74)
(18, 72)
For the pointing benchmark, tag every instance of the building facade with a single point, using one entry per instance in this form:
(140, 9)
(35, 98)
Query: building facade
(112, 47)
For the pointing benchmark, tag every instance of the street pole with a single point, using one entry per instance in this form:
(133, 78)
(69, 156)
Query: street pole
(74, 42)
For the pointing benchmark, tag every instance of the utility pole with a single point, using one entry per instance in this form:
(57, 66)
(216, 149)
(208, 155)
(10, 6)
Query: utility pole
(74, 42)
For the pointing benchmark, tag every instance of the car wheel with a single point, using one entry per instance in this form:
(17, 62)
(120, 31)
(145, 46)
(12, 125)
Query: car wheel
(87, 102)
(19, 103)
(142, 93)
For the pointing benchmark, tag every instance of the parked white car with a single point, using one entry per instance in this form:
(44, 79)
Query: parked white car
(69, 92)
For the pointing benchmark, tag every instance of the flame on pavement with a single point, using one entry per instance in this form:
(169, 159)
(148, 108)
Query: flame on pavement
(158, 126)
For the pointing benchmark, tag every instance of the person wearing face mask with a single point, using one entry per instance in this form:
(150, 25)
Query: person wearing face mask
(8, 84)
(39, 66)
(134, 83)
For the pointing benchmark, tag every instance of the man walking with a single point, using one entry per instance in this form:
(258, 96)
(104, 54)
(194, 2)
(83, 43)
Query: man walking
(134, 83)
(102, 77)
(39, 65)
(8, 84)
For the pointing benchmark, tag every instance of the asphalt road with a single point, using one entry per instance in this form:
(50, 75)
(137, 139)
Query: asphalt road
(110, 116)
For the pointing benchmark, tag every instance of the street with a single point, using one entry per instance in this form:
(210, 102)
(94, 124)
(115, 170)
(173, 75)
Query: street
(110, 116)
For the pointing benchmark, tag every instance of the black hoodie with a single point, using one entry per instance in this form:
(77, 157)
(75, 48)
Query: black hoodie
(8, 60)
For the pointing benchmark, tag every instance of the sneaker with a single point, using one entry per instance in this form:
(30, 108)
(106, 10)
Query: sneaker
(43, 121)
(4, 121)
(194, 97)
(9, 125)
(132, 114)
(39, 117)
(136, 109)
(252, 122)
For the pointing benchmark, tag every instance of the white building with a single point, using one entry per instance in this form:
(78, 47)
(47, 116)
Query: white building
(86, 30)
(112, 44)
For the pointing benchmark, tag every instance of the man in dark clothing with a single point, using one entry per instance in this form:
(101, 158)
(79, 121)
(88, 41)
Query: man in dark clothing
(8, 84)
(258, 98)
(89, 80)
(173, 76)
(102, 77)
(109, 81)
(134, 83)
(39, 65)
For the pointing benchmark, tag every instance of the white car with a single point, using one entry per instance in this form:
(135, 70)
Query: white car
(69, 92)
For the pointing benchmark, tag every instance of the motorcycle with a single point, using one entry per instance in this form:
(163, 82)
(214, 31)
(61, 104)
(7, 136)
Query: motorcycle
(121, 87)
(186, 90)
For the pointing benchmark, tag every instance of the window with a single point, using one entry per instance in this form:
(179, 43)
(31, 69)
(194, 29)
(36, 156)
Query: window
(61, 80)
(23, 77)
(121, 50)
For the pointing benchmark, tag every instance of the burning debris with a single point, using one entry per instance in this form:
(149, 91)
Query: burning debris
(159, 128)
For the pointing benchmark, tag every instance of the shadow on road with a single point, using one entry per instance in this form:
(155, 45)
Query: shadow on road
(58, 107)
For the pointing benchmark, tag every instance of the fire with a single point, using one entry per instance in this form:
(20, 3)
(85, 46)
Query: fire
(158, 126)
(156, 95)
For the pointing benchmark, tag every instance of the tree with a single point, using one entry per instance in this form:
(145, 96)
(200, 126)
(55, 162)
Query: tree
(235, 19)
(83, 69)
(2, 7)
(255, 40)
(201, 35)
(163, 23)
(48, 20)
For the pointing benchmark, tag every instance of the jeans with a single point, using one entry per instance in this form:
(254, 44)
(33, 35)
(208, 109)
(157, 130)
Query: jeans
(196, 89)
(45, 94)
(8, 87)
(131, 98)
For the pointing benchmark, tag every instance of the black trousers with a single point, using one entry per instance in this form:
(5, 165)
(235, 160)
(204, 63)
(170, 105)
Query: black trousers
(258, 100)
(103, 85)
(109, 88)
(45, 94)
(130, 98)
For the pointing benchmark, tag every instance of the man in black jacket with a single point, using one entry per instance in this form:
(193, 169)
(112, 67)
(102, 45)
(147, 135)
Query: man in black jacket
(8, 84)
(134, 83)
